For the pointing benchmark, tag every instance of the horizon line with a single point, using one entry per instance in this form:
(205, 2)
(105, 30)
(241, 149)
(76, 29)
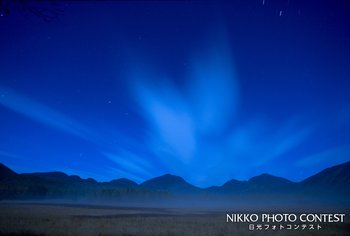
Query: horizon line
(1, 163)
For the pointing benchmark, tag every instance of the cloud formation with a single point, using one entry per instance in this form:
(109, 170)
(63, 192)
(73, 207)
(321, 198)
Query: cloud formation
(195, 130)
(170, 118)
(40, 112)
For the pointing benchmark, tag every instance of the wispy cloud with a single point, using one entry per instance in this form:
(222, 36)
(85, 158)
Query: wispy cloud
(132, 165)
(212, 87)
(194, 127)
(9, 155)
(188, 124)
(256, 145)
(127, 162)
(179, 119)
(169, 117)
(276, 146)
(334, 155)
(40, 112)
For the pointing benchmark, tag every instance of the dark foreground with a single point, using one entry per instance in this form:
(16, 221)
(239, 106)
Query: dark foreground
(69, 219)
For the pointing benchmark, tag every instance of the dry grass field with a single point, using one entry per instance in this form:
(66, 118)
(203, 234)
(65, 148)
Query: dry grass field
(69, 219)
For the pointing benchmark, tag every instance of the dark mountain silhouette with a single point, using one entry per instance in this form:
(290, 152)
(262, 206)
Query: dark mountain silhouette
(266, 182)
(269, 180)
(231, 186)
(333, 178)
(169, 183)
(123, 183)
(54, 176)
(330, 186)
(6, 172)
(261, 183)
(234, 185)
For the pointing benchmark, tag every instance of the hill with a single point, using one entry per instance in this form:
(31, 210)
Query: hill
(330, 186)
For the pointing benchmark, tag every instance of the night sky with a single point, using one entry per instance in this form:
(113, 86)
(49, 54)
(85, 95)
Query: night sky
(205, 90)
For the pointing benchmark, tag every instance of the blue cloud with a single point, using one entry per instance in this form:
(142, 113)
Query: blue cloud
(170, 119)
(52, 118)
(212, 87)
(335, 155)
(40, 113)
(131, 165)
(182, 121)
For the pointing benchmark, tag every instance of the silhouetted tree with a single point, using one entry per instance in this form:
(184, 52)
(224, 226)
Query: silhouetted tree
(46, 10)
